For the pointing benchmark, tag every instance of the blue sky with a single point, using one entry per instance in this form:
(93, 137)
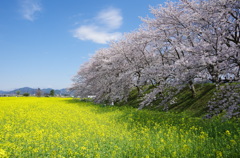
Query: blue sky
(44, 42)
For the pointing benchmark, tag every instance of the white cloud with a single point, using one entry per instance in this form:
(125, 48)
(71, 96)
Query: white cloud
(110, 17)
(29, 9)
(103, 26)
(95, 34)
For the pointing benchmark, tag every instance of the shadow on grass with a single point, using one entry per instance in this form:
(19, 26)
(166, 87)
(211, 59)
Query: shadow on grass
(98, 108)
(193, 107)
(132, 116)
(136, 119)
(186, 107)
(197, 106)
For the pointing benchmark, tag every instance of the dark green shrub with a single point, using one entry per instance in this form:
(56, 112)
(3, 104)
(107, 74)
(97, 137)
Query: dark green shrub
(26, 94)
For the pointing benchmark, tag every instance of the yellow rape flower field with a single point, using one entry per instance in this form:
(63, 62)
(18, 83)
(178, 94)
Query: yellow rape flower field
(63, 127)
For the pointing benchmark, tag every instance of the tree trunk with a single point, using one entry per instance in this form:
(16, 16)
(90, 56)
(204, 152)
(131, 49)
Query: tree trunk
(192, 88)
(139, 91)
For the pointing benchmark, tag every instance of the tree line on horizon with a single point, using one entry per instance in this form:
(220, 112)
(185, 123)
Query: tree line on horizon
(186, 42)
(38, 93)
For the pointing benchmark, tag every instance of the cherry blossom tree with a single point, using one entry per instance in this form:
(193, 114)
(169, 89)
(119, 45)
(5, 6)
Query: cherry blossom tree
(186, 41)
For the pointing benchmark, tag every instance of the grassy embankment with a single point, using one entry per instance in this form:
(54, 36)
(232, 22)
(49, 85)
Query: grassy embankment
(184, 102)
(60, 127)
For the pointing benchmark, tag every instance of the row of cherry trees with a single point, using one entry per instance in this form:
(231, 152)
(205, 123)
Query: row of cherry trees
(185, 42)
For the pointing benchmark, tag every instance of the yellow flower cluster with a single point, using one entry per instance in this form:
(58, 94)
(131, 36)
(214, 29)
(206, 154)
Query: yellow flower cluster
(3, 153)
(63, 127)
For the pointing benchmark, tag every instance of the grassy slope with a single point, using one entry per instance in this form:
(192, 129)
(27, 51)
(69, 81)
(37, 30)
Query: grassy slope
(196, 106)
(185, 103)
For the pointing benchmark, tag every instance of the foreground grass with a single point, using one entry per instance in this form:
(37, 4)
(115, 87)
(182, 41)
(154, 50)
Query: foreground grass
(60, 127)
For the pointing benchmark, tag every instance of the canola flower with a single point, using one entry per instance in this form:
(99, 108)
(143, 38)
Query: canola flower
(3, 153)
(63, 127)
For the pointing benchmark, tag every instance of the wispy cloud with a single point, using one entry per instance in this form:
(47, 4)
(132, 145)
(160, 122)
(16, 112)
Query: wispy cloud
(102, 28)
(110, 17)
(95, 34)
(29, 8)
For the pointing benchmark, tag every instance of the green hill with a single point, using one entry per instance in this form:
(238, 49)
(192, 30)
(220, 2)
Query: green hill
(183, 101)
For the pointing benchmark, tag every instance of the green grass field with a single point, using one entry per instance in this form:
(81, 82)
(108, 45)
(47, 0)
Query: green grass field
(62, 127)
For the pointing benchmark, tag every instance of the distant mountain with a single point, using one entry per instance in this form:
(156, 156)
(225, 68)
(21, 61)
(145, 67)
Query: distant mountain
(1, 92)
(33, 91)
(24, 90)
